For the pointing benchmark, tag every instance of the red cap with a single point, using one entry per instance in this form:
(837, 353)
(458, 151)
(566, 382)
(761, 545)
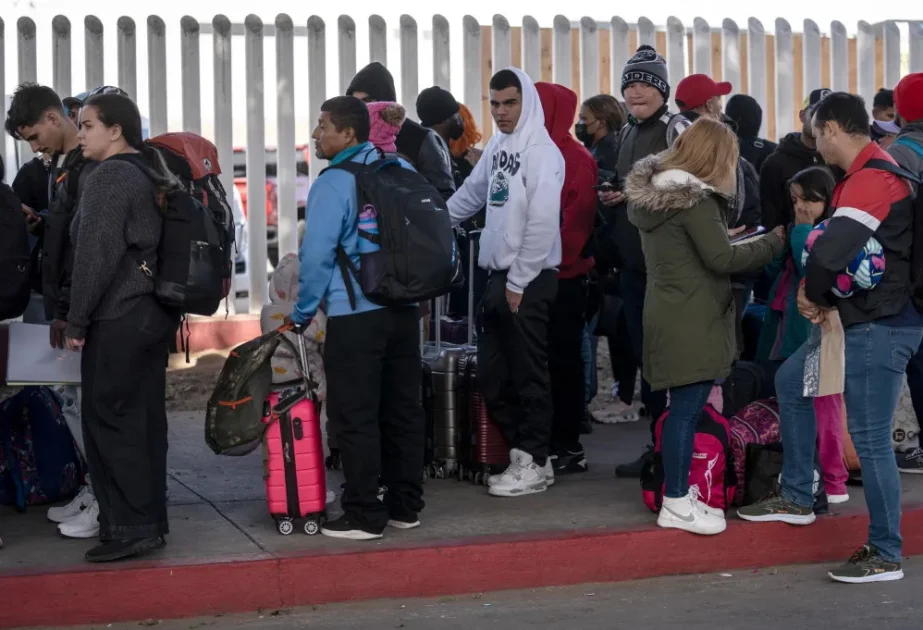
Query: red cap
(908, 97)
(696, 90)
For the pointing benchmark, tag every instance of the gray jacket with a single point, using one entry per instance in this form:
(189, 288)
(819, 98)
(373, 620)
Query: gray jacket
(905, 156)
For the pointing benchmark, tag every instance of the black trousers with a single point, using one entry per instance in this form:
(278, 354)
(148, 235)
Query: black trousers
(624, 363)
(123, 373)
(513, 362)
(372, 362)
(634, 286)
(565, 361)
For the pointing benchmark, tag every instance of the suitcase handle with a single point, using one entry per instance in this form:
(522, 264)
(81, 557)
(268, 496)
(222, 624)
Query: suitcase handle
(299, 329)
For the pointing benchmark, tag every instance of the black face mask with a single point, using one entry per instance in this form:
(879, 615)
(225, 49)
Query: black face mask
(457, 128)
(583, 135)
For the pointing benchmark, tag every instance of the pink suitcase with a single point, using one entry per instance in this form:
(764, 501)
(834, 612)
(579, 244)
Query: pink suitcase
(296, 485)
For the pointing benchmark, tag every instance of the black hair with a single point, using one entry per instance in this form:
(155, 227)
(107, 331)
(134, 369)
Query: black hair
(817, 184)
(846, 110)
(349, 111)
(29, 104)
(606, 108)
(505, 79)
(116, 109)
(884, 99)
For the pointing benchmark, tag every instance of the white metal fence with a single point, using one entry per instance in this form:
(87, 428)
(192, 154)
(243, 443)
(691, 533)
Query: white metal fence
(587, 55)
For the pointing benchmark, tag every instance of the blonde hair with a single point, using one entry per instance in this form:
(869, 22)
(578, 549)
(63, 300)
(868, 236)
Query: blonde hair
(708, 150)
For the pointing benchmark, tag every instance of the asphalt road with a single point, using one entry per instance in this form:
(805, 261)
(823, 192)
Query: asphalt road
(789, 598)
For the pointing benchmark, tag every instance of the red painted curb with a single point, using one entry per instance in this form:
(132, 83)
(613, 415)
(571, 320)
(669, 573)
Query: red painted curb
(185, 589)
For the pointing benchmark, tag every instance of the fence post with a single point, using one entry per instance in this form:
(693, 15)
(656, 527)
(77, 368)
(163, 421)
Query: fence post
(701, 47)
(531, 48)
(561, 47)
(471, 56)
(676, 50)
(915, 35)
(410, 79)
(127, 53)
(647, 33)
(756, 66)
(61, 51)
(785, 80)
(730, 56)
(317, 79)
(839, 57)
(810, 56)
(442, 67)
(378, 39)
(865, 55)
(346, 51)
(28, 67)
(93, 51)
(286, 204)
(157, 77)
(256, 162)
(618, 40)
(189, 63)
(589, 58)
(224, 121)
(502, 44)
(892, 50)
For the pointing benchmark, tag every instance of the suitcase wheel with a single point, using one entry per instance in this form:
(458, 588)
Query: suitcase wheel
(311, 527)
(285, 526)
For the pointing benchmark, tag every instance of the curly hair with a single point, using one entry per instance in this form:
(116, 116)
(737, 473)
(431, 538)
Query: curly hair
(471, 136)
(29, 104)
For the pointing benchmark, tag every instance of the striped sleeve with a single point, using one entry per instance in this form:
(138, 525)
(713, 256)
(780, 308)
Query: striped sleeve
(862, 206)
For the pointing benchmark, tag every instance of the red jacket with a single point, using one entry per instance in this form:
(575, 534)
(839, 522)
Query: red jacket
(578, 199)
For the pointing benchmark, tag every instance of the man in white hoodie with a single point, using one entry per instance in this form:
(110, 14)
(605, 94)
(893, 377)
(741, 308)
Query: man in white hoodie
(519, 178)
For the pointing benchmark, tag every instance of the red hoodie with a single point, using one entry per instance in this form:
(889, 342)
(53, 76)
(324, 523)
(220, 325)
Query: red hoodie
(578, 199)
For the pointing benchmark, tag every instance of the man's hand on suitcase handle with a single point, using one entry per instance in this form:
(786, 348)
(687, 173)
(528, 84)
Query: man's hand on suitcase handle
(288, 324)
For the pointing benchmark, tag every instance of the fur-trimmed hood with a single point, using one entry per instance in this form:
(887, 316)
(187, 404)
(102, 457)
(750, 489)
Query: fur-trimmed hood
(656, 195)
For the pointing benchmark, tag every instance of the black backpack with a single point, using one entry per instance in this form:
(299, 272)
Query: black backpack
(15, 259)
(418, 258)
(916, 251)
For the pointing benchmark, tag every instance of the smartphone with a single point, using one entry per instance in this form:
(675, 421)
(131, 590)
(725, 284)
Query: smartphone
(749, 233)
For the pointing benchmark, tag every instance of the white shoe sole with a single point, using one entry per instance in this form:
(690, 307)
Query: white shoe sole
(355, 534)
(790, 519)
(500, 491)
(403, 524)
(911, 471)
(669, 523)
(891, 576)
(79, 535)
(834, 499)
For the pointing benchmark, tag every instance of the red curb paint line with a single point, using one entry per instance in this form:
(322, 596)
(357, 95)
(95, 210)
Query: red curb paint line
(183, 589)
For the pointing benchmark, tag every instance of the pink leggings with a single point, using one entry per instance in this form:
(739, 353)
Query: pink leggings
(829, 413)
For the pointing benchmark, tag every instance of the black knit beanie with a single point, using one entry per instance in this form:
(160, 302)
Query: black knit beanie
(647, 66)
(435, 105)
(376, 81)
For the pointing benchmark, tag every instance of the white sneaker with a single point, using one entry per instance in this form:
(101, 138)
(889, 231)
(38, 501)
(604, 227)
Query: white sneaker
(837, 498)
(84, 525)
(81, 502)
(617, 412)
(686, 513)
(331, 496)
(523, 477)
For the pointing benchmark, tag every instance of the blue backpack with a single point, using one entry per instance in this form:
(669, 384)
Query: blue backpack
(38, 458)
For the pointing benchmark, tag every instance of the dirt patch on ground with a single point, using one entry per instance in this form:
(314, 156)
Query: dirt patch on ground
(189, 387)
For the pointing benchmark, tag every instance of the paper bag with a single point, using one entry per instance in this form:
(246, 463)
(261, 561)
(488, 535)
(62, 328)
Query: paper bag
(825, 361)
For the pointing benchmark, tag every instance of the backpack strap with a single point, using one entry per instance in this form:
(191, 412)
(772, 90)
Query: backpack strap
(913, 145)
(676, 125)
(894, 169)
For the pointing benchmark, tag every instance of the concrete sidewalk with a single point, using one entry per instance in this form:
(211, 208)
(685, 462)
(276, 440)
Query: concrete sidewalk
(224, 553)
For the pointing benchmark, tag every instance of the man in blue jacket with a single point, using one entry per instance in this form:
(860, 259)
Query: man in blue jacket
(372, 353)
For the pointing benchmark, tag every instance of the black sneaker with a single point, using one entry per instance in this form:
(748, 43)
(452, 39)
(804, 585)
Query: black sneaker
(777, 509)
(633, 469)
(347, 529)
(866, 565)
(113, 550)
(910, 462)
(403, 520)
(565, 461)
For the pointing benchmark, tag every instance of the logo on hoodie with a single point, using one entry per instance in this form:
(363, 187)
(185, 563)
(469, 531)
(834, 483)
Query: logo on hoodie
(499, 190)
(503, 166)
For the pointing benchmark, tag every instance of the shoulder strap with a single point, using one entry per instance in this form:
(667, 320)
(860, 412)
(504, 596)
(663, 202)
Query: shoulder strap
(676, 125)
(913, 145)
(894, 169)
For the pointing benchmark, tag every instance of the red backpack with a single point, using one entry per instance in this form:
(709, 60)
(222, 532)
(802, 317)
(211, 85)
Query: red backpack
(712, 470)
(757, 423)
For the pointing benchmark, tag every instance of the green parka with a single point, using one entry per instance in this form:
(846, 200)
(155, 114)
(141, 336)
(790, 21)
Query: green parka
(689, 312)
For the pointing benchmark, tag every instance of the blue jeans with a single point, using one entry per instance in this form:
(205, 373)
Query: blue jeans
(915, 381)
(876, 359)
(588, 350)
(676, 441)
